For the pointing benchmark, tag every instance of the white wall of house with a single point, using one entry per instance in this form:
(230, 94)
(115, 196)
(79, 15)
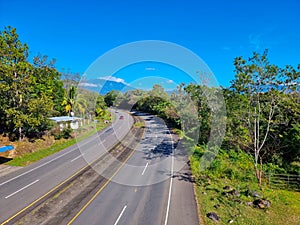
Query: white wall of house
(68, 122)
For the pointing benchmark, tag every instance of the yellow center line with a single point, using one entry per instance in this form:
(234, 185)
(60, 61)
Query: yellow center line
(100, 190)
(53, 189)
(56, 187)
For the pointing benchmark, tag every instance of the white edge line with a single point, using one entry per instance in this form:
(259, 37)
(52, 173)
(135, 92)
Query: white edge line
(170, 189)
(117, 221)
(145, 168)
(77, 158)
(21, 189)
(37, 167)
(29, 171)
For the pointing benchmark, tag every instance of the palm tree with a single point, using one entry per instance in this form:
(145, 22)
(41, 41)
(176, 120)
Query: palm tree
(80, 104)
(69, 100)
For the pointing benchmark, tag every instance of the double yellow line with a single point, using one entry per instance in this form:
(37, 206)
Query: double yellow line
(49, 192)
(106, 183)
(100, 190)
(62, 183)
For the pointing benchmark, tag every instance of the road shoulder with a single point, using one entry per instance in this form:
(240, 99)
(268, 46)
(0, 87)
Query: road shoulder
(5, 169)
(183, 210)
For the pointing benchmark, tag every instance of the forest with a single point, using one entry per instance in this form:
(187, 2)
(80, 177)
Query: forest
(262, 111)
(262, 105)
(32, 90)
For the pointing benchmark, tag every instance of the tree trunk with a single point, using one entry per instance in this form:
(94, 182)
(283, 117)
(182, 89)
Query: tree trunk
(260, 171)
(20, 133)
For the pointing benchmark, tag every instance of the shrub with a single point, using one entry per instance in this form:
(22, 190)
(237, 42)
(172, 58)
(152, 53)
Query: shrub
(65, 133)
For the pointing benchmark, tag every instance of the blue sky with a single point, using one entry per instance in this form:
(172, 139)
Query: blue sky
(77, 32)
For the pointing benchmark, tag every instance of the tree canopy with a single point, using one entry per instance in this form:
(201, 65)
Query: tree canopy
(30, 91)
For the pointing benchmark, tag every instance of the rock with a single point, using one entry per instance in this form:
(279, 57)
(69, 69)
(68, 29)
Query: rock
(225, 193)
(238, 201)
(230, 221)
(262, 203)
(254, 194)
(266, 203)
(204, 193)
(227, 188)
(234, 192)
(213, 216)
(249, 203)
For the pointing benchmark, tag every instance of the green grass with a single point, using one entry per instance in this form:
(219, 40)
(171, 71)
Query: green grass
(41, 153)
(139, 124)
(236, 170)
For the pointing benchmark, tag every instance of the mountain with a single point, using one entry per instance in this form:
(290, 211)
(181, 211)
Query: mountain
(105, 86)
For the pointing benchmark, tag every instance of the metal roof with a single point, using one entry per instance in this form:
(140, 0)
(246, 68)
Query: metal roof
(64, 118)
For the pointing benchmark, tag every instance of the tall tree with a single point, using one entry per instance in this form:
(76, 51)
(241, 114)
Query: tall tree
(28, 91)
(111, 97)
(47, 80)
(69, 100)
(259, 84)
(198, 94)
(16, 74)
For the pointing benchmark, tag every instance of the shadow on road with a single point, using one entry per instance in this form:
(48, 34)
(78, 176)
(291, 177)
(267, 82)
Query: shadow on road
(184, 176)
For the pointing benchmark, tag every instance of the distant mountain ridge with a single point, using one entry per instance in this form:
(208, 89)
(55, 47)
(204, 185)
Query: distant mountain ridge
(105, 86)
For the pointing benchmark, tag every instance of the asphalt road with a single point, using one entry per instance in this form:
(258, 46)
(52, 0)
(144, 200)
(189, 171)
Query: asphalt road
(153, 187)
(20, 188)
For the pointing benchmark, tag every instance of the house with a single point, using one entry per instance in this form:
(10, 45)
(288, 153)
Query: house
(67, 122)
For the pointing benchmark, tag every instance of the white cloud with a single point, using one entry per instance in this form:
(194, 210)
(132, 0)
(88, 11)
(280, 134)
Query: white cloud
(149, 68)
(170, 81)
(87, 85)
(112, 78)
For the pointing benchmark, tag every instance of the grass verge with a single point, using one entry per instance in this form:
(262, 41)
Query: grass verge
(41, 153)
(139, 125)
(234, 171)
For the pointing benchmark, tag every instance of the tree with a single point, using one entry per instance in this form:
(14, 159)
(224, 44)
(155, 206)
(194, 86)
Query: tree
(129, 99)
(15, 75)
(70, 79)
(237, 135)
(69, 100)
(111, 97)
(47, 81)
(198, 94)
(26, 90)
(158, 91)
(80, 105)
(258, 85)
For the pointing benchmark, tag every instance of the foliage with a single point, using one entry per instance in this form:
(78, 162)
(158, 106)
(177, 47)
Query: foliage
(65, 133)
(69, 100)
(262, 105)
(234, 169)
(257, 104)
(30, 92)
(233, 165)
(46, 146)
(199, 94)
(111, 97)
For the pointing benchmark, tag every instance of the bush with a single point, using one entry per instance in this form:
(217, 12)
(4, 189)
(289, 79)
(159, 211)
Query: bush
(65, 133)
(233, 165)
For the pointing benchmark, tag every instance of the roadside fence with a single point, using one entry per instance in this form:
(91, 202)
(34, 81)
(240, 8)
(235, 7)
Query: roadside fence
(284, 181)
